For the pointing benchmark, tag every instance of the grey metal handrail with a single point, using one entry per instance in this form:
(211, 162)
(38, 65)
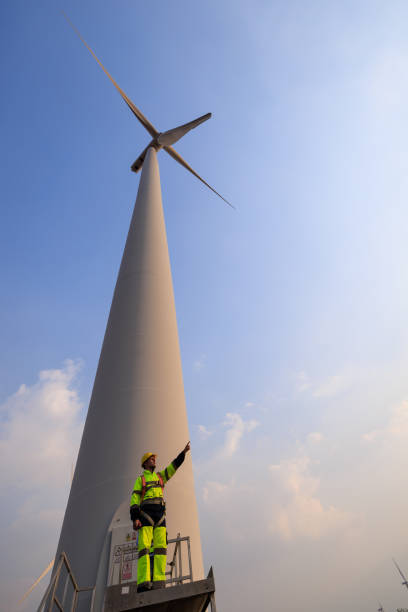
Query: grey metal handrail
(50, 596)
(176, 564)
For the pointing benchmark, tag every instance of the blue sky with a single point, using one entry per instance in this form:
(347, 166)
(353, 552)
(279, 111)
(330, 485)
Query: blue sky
(291, 309)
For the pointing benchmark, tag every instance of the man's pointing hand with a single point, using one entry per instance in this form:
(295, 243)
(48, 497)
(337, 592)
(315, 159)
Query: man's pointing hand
(187, 447)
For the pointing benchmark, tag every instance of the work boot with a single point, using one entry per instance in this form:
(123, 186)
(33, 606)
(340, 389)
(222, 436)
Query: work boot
(158, 584)
(144, 587)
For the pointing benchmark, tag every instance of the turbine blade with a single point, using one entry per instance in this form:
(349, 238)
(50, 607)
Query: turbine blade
(181, 161)
(47, 569)
(138, 163)
(171, 136)
(398, 568)
(137, 113)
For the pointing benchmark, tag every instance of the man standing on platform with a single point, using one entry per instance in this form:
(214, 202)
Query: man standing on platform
(148, 514)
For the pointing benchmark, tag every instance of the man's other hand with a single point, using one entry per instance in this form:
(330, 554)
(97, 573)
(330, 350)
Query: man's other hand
(137, 524)
(187, 447)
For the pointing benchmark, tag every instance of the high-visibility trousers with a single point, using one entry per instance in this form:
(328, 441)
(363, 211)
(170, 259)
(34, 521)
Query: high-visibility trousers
(157, 537)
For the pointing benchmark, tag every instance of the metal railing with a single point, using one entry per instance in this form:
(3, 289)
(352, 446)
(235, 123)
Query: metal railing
(51, 595)
(63, 592)
(127, 553)
(175, 573)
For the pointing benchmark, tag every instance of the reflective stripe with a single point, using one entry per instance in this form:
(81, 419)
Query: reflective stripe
(143, 552)
(159, 563)
(143, 487)
(143, 564)
(147, 518)
(171, 469)
(153, 500)
(135, 497)
(153, 494)
(163, 518)
(153, 485)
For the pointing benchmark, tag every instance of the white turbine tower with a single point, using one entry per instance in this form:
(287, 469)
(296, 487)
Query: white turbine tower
(137, 402)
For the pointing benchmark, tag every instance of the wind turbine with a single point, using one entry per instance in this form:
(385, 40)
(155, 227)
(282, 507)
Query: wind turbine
(160, 140)
(137, 401)
(405, 581)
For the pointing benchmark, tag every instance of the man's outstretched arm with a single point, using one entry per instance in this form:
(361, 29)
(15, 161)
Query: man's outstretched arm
(171, 469)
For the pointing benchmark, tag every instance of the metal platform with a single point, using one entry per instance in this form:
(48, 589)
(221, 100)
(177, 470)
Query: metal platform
(190, 597)
(181, 593)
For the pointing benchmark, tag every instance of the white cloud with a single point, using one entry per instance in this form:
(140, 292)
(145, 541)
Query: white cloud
(215, 490)
(303, 382)
(288, 506)
(296, 509)
(331, 387)
(315, 436)
(220, 500)
(40, 434)
(199, 363)
(398, 424)
(236, 429)
(40, 430)
(328, 387)
(396, 428)
(305, 506)
(204, 432)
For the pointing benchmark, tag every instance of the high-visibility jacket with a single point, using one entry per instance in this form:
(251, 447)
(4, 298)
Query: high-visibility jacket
(153, 491)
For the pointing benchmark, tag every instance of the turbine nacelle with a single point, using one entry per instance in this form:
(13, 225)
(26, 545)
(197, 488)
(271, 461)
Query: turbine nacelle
(166, 139)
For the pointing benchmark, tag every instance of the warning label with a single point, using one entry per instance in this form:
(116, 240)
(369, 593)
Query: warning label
(127, 570)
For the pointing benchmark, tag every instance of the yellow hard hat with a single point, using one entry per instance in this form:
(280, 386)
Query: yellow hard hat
(147, 456)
